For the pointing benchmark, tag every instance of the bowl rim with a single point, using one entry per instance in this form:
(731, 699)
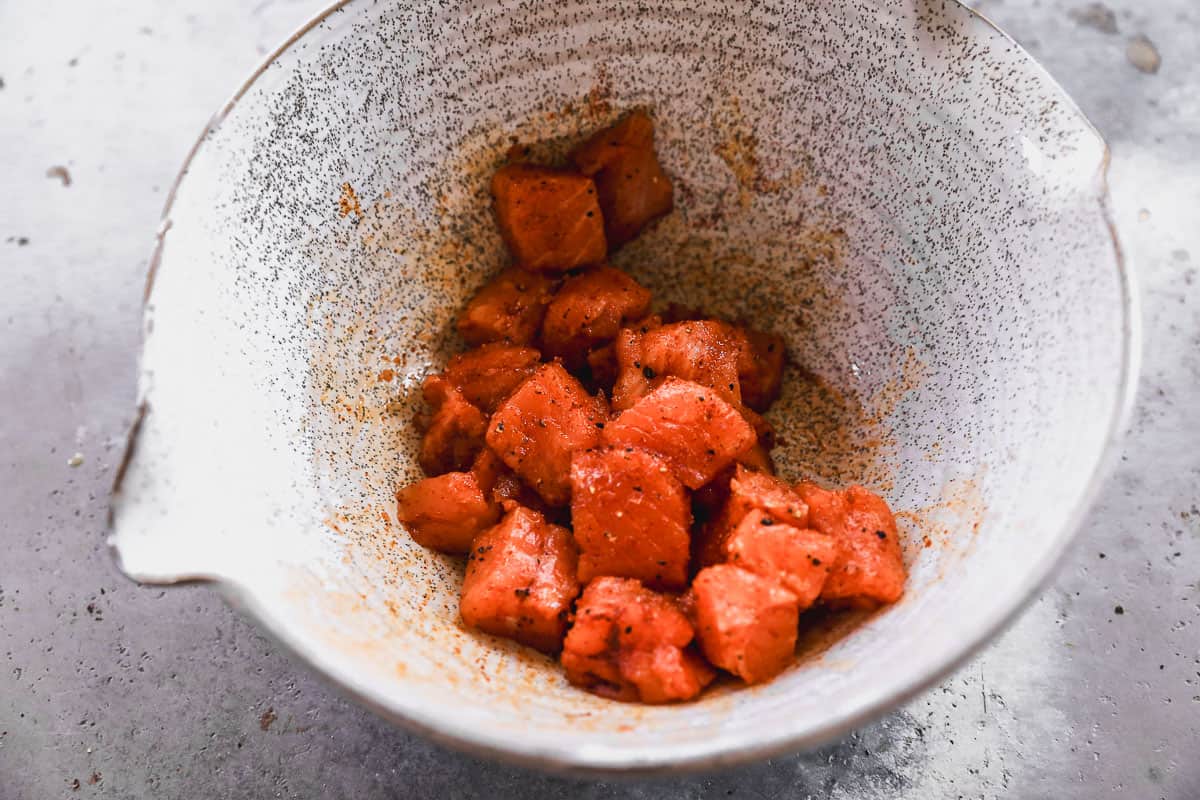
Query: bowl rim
(562, 760)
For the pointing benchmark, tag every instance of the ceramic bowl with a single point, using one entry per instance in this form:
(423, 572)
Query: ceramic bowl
(892, 185)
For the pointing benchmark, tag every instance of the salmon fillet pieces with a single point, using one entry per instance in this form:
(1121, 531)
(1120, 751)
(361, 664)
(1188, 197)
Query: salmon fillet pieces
(520, 580)
(542, 423)
(798, 559)
(702, 351)
(696, 431)
(550, 219)
(630, 182)
(588, 312)
(870, 569)
(445, 512)
(488, 374)
(748, 491)
(631, 517)
(745, 623)
(509, 308)
(454, 434)
(630, 643)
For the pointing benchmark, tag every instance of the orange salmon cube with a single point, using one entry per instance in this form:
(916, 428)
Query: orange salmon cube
(520, 580)
(488, 374)
(632, 186)
(870, 569)
(445, 512)
(760, 368)
(745, 623)
(748, 491)
(536, 430)
(797, 559)
(689, 425)
(665, 674)
(550, 219)
(628, 643)
(509, 308)
(455, 433)
(631, 517)
(588, 311)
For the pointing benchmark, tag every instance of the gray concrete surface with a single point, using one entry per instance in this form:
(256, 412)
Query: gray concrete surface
(112, 690)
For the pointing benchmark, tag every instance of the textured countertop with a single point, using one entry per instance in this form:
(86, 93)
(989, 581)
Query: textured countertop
(108, 689)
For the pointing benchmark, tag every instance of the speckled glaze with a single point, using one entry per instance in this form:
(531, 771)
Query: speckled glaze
(892, 185)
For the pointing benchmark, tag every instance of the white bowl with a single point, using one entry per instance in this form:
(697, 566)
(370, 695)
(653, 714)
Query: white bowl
(892, 185)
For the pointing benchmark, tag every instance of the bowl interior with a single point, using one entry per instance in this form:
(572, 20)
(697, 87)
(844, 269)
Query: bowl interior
(893, 187)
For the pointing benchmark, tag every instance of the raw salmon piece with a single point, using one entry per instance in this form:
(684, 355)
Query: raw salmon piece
(798, 559)
(630, 643)
(702, 351)
(745, 623)
(870, 570)
(748, 491)
(757, 458)
(446, 512)
(764, 431)
(602, 367)
(537, 429)
(631, 383)
(520, 580)
(760, 367)
(509, 308)
(689, 425)
(665, 674)
(631, 517)
(550, 219)
(588, 311)
(488, 374)
(632, 186)
(502, 486)
(455, 433)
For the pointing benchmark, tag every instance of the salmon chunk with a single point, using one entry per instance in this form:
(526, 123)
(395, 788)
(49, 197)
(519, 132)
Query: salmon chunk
(500, 485)
(757, 458)
(797, 559)
(689, 425)
(488, 374)
(748, 491)
(509, 308)
(550, 219)
(870, 569)
(631, 383)
(745, 623)
(631, 517)
(588, 311)
(602, 367)
(536, 430)
(445, 512)
(455, 433)
(520, 580)
(632, 186)
(702, 351)
(760, 367)
(630, 643)
(604, 362)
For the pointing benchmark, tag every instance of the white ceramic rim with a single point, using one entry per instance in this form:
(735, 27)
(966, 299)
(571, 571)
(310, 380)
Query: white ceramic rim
(480, 742)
